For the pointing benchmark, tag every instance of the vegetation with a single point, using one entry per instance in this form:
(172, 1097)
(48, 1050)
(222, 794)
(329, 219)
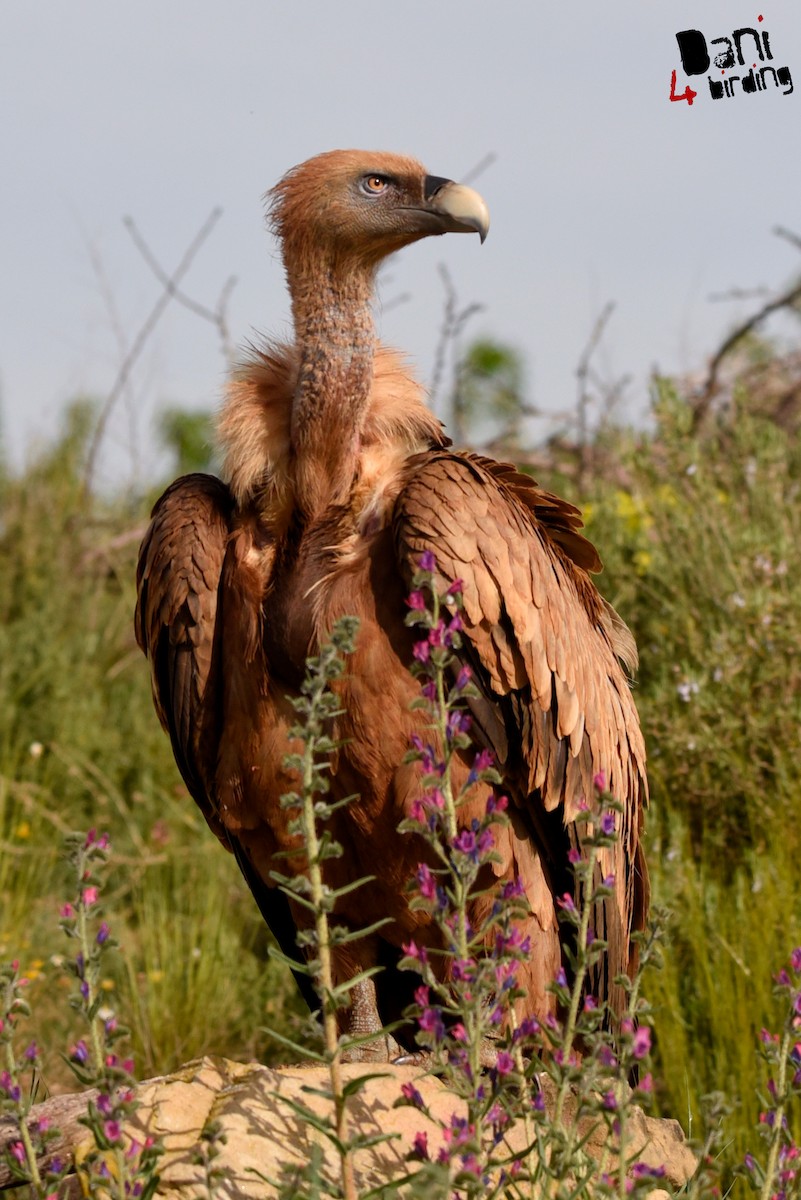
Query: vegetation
(699, 530)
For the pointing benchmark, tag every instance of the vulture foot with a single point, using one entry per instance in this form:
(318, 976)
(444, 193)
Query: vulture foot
(362, 1022)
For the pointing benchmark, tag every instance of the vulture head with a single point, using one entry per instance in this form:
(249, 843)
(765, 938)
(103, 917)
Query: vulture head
(354, 207)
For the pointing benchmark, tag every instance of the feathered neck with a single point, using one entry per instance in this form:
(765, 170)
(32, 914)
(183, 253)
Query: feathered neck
(335, 339)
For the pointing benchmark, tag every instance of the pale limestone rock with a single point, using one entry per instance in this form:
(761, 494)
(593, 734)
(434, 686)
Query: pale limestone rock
(263, 1131)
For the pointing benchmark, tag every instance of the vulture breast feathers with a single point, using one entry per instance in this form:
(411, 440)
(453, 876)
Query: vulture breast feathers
(337, 479)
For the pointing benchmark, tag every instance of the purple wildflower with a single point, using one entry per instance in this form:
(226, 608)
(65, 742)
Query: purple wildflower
(641, 1045)
(420, 1145)
(606, 1057)
(463, 678)
(17, 1151)
(426, 882)
(504, 1063)
(641, 1170)
(412, 950)
(430, 1021)
(428, 562)
(80, 1052)
(497, 803)
(112, 1130)
(599, 781)
(416, 601)
(513, 890)
(412, 1095)
(529, 1027)
(608, 822)
(466, 842)
(422, 652)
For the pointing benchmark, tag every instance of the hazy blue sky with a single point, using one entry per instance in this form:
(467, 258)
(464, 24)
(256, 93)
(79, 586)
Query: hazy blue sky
(601, 189)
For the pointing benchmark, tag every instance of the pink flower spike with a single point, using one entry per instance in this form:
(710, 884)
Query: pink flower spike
(641, 1044)
(504, 1063)
(66, 911)
(17, 1151)
(416, 601)
(112, 1130)
(422, 651)
(420, 1145)
(599, 781)
(456, 588)
(89, 896)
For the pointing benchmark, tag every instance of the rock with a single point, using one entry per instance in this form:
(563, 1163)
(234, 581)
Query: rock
(264, 1133)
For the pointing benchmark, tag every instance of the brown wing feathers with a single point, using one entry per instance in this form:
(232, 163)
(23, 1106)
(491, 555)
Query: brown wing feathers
(176, 621)
(543, 644)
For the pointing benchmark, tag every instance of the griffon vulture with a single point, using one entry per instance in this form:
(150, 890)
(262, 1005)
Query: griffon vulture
(336, 478)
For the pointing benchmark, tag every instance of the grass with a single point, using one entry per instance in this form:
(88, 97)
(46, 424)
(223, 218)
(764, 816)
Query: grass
(702, 545)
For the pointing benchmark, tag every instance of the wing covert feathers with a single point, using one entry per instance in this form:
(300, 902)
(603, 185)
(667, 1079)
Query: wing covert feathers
(544, 646)
(180, 562)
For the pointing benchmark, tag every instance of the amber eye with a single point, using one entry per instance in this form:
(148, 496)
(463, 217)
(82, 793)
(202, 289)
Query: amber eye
(375, 184)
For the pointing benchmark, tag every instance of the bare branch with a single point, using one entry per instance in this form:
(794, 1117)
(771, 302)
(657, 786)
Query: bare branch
(785, 300)
(453, 323)
(481, 166)
(107, 295)
(582, 375)
(216, 316)
(140, 341)
(793, 238)
(736, 293)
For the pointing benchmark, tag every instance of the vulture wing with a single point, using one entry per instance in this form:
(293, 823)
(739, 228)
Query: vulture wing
(189, 559)
(555, 704)
(180, 564)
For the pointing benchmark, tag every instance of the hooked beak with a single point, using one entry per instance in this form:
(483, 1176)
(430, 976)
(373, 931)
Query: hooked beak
(461, 209)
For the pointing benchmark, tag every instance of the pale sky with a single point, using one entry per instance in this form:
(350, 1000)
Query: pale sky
(601, 188)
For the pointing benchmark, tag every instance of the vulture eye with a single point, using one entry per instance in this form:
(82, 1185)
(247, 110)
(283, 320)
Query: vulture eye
(374, 185)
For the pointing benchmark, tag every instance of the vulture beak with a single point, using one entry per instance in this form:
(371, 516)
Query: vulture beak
(462, 209)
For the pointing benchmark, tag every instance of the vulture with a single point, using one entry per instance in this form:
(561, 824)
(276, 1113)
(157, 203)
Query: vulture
(336, 479)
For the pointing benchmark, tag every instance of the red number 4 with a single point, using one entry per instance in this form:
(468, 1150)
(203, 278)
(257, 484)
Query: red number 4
(688, 94)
